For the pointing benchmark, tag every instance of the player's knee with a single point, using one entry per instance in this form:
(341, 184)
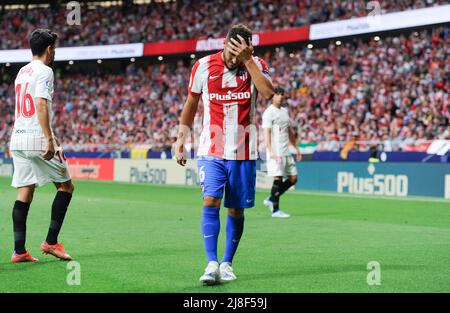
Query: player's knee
(25, 198)
(67, 187)
(211, 201)
(293, 180)
(236, 213)
(26, 194)
(71, 188)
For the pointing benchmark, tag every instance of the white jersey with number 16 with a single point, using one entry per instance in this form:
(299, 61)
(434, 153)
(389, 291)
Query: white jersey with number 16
(34, 80)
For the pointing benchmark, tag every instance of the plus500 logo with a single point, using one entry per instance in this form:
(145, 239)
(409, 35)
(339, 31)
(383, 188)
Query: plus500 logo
(148, 175)
(379, 184)
(230, 96)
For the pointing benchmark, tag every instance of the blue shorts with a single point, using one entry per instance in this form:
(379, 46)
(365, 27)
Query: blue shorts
(236, 177)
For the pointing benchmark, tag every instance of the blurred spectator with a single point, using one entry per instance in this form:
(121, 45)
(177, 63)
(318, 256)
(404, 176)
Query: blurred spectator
(183, 19)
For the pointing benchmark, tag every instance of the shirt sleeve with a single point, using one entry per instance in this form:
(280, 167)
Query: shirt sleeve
(263, 67)
(195, 81)
(44, 85)
(267, 119)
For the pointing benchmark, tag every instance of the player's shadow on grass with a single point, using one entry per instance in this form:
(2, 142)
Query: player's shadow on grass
(9, 266)
(198, 287)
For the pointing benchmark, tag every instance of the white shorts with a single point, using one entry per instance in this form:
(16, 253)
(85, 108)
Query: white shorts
(30, 168)
(284, 166)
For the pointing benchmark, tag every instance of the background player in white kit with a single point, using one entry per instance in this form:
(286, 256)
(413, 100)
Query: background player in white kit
(33, 147)
(280, 162)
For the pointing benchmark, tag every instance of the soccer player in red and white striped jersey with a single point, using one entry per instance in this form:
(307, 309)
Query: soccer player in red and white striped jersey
(228, 82)
(229, 98)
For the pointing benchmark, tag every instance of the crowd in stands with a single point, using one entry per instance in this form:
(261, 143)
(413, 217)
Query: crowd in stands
(183, 19)
(395, 89)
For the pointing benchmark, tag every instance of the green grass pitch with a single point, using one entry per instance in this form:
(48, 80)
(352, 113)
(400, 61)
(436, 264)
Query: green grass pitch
(142, 238)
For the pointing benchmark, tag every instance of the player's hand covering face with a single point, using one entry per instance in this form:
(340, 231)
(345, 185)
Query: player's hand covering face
(240, 52)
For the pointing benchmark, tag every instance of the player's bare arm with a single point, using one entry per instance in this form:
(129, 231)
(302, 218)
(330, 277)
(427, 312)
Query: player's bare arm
(268, 138)
(293, 140)
(243, 54)
(44, 121)
(187, 119)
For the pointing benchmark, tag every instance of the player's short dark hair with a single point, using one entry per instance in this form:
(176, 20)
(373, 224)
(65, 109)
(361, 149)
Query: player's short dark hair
(279, 90)
(40, 39)
(242, 30)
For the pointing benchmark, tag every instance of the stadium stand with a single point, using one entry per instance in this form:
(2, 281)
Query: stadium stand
(393, 90)
(186, 19)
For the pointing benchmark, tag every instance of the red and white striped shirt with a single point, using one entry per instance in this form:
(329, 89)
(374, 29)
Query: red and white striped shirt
(229, 98)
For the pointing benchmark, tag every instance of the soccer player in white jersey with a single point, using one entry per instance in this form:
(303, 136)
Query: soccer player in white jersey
(228, 83)
(280, 162)
(38, 158)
